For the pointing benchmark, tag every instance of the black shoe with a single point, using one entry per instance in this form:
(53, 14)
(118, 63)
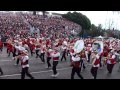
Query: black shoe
(32, 78)
(84, 67)
(16, 64)
(1, 74)
(108, 74)
(49, 67)
(82, 78)
(43, 62)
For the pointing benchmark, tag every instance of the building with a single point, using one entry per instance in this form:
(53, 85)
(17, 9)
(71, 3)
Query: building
(56, 15)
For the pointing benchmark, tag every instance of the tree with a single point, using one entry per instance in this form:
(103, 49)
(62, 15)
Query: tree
(96, 31)
(100, 27)
(34, 12)
(43, 13)
(79, 19)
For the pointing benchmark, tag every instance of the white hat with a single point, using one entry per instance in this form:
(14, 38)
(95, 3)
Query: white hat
(20, 43)
(15, 41)
(89, 45)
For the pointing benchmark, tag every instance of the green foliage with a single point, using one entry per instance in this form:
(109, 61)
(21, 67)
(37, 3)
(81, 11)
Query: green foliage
(96, 31)
(79, 19)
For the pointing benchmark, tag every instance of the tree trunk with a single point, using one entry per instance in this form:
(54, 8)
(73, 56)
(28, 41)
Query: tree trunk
(34, 12)
(43, 12)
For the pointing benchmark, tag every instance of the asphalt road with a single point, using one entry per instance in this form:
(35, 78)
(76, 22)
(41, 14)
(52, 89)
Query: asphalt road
(38, 70)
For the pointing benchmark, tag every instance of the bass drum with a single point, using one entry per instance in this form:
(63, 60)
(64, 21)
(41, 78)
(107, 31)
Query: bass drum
(98, 46)
(79, 46)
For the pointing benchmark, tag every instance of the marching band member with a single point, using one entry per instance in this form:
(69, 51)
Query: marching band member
(67, 49)
(7, 45)
(118, 52)
(1, 46)
(111, 61)
(60, 42)
(40, 40)
(64, 48)
(95, 64)
(25, 65)
(55, 56)
(49, 52)
(32, 48)
(37, 49)
(10, 47)
(76, 66)
(48, 42)
(28, 41)
(42, 50)
(105, 55)
(14, 45)
(26, 47)
(72, 52)
(19, 49)
(89, 49)
(1, 71)
(83, 56)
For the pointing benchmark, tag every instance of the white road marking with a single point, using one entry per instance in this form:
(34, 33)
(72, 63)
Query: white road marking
(9, 60)
(6, 60)
(34, 72)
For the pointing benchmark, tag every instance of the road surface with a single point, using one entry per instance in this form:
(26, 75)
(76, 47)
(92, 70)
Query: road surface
(38, 70)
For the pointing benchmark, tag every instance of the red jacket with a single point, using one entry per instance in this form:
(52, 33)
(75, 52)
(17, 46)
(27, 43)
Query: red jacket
(112, 61)
(75, 64)
(37, 46)
(47, 42)
(10, 47)
(48, 54)
(96, 62)
(105, 53)
(1, 44)
(40, 41)
(32, 46)
(24, 63)
(72, 50)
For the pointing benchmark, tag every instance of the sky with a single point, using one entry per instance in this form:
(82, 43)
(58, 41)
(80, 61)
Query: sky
(105, 18)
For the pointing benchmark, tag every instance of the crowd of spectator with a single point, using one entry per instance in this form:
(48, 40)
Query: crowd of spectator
(21, 23)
